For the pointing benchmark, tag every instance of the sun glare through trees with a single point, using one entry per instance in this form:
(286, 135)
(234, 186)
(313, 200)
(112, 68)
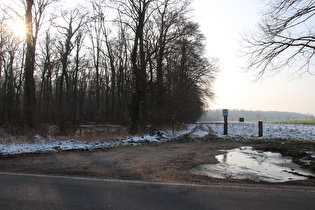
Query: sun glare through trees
(17, 27)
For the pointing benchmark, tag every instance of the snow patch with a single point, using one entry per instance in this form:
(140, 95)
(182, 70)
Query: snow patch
(238, 131)
(270, 130)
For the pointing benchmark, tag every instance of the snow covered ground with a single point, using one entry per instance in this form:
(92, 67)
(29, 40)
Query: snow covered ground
(270, 130)
(242, 130)
(43, 145)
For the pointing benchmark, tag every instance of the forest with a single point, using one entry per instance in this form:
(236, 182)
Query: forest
(130, 62)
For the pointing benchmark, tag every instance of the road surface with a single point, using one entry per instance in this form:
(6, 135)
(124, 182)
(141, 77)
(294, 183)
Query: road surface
(24, 191)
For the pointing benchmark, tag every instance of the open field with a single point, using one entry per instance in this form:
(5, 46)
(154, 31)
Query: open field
(303, 122)
(301, 132)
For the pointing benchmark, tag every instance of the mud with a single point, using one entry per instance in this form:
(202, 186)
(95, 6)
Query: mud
(167, 162)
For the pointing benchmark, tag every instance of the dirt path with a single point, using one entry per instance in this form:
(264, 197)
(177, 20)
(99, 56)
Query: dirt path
(169, 162)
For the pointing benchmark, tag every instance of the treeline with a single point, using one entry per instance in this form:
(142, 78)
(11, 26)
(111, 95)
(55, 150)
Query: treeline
(254, 116)
(125, 61)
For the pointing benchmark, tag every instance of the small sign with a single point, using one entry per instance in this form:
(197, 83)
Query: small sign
(225, 112)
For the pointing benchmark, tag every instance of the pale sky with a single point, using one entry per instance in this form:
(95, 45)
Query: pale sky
(222, 22)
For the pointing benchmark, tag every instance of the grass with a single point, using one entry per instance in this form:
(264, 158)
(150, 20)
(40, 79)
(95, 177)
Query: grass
(303, 122)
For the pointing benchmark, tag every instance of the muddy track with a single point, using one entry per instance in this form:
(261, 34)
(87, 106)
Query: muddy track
(167, 162)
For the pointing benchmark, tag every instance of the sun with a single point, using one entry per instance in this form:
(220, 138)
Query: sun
(18, 28)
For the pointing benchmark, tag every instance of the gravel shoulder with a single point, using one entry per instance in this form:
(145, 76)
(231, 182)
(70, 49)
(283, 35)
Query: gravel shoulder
(166, 162)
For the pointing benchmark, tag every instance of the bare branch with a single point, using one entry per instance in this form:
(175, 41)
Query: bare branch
(285, 38)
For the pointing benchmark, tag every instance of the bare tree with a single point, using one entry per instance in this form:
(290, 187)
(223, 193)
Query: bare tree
(165, 24)
(34, 17)
(72, 23)
(189, 73)
(97, 36)
(9, 82)
(12, 54)
(29, 85)
(47, 63)
(137, 12)
(143, 66)
(78, 64)
(285, 38)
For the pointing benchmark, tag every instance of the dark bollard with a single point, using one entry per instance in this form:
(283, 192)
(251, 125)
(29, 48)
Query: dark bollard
(225, 126)
(260, 129)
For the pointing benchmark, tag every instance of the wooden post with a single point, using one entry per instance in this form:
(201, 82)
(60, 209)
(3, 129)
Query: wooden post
(173, 126)
(225, 126)
(260, 128)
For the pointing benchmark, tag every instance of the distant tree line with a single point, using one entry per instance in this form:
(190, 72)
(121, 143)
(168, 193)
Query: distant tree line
(254, 116)
(126, 61)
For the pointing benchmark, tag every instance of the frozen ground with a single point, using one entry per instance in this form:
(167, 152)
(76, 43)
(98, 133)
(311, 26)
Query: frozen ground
(270, 130)
(241, 130)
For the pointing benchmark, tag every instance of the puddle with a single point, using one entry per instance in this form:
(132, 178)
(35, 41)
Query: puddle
(246, 163)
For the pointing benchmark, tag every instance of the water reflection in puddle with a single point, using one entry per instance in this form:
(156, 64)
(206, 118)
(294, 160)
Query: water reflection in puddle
(246, 163)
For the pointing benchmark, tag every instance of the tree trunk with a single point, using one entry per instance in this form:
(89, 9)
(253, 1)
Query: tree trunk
(29, 85)
(138, 103)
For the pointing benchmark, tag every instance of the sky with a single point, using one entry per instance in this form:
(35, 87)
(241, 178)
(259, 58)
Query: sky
(223, 22)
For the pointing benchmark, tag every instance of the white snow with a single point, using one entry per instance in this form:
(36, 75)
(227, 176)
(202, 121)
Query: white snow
(236, 130)
(270, 130)
(43, 145)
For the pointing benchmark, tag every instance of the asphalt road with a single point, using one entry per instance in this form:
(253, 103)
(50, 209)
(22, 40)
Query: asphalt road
(49, 192)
